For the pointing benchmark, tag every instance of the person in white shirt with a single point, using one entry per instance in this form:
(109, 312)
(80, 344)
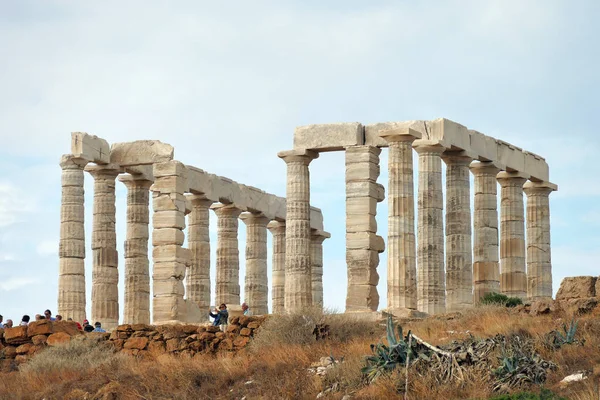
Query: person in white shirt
(246, 309)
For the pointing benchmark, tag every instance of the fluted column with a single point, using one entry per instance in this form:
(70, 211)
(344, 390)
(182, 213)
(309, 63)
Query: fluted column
(71, 253)
(298, 291)
(198, 276)
(539, 260)
(316, 257)
(256, 287)
(486, 268)
(278, 268)
(363, 245)
(105, 274)
(459, 258)
(401, 262)
(513, 278)
(431, 289)
(137, 265)
(228, 254)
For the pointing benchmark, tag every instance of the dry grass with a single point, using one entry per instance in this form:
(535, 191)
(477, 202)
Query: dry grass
(276, 365)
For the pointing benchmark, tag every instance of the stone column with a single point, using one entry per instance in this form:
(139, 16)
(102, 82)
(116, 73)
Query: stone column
(105, 274)
(513, 278)
(459, 258)
(71, 252)
(431, 289)
(316, 259)
(362, 243)
(277, 229)
(401, 263)
(170, 258)
(539, 261)
(137, 265)
(256, 288)
(228, 255)
(486, 269)
(298, 291)
(198, 276)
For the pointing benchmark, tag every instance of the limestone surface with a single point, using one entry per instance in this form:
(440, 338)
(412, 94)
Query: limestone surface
(90, 148)
(278, 274)
(328, 137)
(198, 275)
(577, 287)
(141, 152)
(316, 259)
(256, 286)
(228, 255)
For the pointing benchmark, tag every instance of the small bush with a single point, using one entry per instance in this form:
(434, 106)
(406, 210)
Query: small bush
(545, 394)
(500, 300)
(77, 355)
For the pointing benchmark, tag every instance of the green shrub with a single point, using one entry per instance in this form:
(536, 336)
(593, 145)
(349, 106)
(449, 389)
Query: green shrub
(500, 300)
(545, 394)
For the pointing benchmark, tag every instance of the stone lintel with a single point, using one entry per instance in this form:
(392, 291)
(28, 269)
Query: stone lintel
(302, 155)
(401, 134)
(141, 152)
(90, 147)
(328, 137)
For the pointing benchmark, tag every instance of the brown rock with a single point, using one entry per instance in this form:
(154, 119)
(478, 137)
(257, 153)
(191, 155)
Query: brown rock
(173, 334)
(540, 307)
(226, 344)
(59, 338)
(201, 329)
(189, 329)
(7, 365)
(241, 341)
(213, 329)
(130, 352)
(246, 332)
(24, 348)
(207, 336)
(16, 335)
(577, 287)
(9, 351)
(42, 327)
(234, 320)
(579, 306)
(254, 325)
(173, 345)
(220, 335)
(197, 346)
(69, 327)
(114, 335)
(119, 343)
(123, 334)
(36, 349)
(233, 329)
(1, 333)
(39, 339)
(141, 327)
(244, 320)
(139, 343)
(21, 359)
(183, 345)
(124, 328)
(156, 347)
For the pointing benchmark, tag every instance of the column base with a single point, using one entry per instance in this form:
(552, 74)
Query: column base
(404, 313)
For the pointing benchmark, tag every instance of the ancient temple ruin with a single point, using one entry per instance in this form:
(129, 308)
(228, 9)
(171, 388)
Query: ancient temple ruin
(181, 197)
(430, 269)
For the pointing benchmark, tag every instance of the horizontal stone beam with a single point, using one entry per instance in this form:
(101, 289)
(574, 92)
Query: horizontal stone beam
(141, 152)
(90, 148)
(452, 135)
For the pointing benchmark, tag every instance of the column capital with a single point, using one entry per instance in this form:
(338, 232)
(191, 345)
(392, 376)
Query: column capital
(135, 182)
(250, 218)
(318, 236)
(507, 179)
(298, 156)
(228, 210)
(400, 135)
(428, 147)
(69, 161)
(484, 168)
(532, 188)
(104, 171)
(199, 200)
(276, 227)
(457, 157)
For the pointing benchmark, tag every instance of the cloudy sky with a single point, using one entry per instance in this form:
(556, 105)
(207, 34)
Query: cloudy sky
(226, 83)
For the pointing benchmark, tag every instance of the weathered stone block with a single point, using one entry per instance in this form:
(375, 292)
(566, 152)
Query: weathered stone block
(43, 327)
(172, 168)
(373, 131)
(361, 206)
(328, 137)
(365, 189)
(141, 152)
(167, 236)
(16, 335)
(170, 253)
(361, 223)
(170, 184)
(57, 339)
(166, 270)
(364, 240)
(577, 287)
(139, 343)
(511, 156)
(171, 286)
(362, 172)
(90, 147)
(39, 340)
(168, 219)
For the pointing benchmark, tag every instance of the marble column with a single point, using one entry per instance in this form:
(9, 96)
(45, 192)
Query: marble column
(256, 287)
(486, 268)
(277, 229)
(401, 262)
(170, 258)
(316, 259)
(513, 278)
(363, 245)
(459, 257)
(539, 261)
(298, 291)
(71, 252)
(198, 274)
(431, 288)
(137, 265)
(228, 255)
(105, 273)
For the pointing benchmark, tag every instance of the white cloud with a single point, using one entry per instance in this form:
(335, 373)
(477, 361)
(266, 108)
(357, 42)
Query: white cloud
(47, 248)
(16, 283)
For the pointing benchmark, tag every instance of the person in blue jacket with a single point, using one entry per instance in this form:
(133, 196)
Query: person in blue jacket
(221, 316)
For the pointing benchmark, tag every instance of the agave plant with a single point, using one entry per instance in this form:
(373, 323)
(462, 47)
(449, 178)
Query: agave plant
(387, 358)
(556, 339)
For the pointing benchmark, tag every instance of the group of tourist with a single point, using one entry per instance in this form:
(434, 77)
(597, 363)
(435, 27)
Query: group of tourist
(86, 326)
(221, 315)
